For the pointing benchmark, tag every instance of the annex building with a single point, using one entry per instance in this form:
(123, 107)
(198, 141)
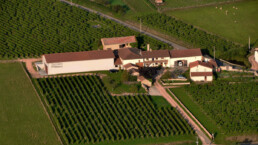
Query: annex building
(117, 53)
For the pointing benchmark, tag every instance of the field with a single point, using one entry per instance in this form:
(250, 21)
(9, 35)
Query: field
(22, 118)
(32, 28)
(223, 109)
(140, 6)
(117, 2)
(235, 22)
(86, 113)
(172, 4)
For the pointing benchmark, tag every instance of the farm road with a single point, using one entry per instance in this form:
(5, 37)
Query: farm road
(204, 139)
(125, 24)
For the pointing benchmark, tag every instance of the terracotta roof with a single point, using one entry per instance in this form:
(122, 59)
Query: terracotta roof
(185, 53)
(135, 53)
(129, 65)
(196, 63)
(213, 63)
(118, 61)
(79, 56)
(201, 74)
(129, 53)
(159, 1)
(155, 53)
(118, 40)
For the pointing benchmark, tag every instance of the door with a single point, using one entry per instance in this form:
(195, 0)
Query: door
(205, 78)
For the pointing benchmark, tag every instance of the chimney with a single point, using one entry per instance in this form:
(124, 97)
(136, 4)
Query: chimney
(148, 47)
(150, 50)
(140, 52)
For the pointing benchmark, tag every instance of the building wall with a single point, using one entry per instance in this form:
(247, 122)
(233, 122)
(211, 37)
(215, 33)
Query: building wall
(80, 66)
(159, 58)
(115, 46)
(256, 56)
(133, 61)
(201, 78)
(189, 59)
(200, 68)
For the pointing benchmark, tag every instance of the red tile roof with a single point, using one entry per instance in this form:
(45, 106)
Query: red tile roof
(135, 53)
(213, 63)
(118, 61)
(118, 40)
(158, 1)
(195, 74)
(129, 65)
(79, 56)
(155, 53)
(129, 53)
(196, 63)
(185, 53)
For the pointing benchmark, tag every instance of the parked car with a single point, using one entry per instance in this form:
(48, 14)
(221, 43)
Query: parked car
(181, 77)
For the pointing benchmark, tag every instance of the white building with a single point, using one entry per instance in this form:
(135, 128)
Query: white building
(201, 71)
(151, 58)
(118, 54)
(185, 57)
(73, 62)
(256, 54)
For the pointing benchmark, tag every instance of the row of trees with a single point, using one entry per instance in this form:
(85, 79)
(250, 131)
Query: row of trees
(233, 106)
(224, 49)
(86, 113)
(30, 28)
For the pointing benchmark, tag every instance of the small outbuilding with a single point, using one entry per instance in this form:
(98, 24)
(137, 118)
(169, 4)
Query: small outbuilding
(201, 71)
(74, 62)
(116, 43)
(158, 2)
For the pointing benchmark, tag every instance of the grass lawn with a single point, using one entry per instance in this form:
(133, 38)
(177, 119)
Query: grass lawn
(115, 85)
(22, 118)
(237, 25)
(168, 4)
(117, 2)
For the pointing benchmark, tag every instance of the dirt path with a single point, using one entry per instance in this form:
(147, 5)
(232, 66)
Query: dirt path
(205, 140)
(29, 65)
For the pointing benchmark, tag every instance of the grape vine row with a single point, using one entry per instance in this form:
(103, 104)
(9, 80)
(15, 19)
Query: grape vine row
(87, 113)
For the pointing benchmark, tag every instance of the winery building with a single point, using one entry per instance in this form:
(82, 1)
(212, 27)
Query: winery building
(73, 62)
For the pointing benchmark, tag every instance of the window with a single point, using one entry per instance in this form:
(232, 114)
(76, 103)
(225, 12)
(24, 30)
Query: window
(116, 65)
(152, 59)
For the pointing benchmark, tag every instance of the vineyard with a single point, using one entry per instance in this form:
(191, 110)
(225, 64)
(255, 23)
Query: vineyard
(86, 113)
(198, 38)
(30, 28)
(232, 106)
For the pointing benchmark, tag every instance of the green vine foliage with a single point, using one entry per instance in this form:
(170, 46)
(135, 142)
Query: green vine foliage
(30, 28)
(198, 38)
(232, 106)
